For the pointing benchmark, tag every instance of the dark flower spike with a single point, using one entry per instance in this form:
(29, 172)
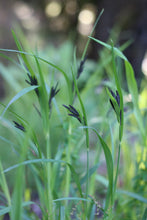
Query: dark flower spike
(53, 92)
(116, 96)
(19, 126)
(115, 103)
(33, 82)
(81, 67)
(74, 112)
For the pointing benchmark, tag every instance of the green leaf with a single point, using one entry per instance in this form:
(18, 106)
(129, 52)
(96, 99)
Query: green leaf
(18, 96)
(4, 210)
(109, 47)
(4, 185)
(115, 104)
(47, 62)
(20, 48)
(133, 195)
(75, 176)
(72, 198)
(109, 163)
(91, 172)
(132, 85)
(145, 215)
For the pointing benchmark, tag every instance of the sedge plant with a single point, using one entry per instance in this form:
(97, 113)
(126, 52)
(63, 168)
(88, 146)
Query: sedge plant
(57, 174)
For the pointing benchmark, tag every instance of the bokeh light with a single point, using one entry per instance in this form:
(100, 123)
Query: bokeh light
(53, 9)
(86, 19)
(22, 10)
(26, 15)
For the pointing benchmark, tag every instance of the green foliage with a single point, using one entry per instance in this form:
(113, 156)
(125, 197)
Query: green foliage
(42, 152)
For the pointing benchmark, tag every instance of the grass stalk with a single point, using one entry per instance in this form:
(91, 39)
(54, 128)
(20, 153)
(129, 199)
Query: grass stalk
(68, 155)
(4, 185)
(87, 137)
(117, 169)
(49, 175)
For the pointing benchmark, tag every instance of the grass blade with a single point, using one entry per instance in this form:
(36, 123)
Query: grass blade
(75, 176)
(109, 47)
(4, 185)
(18, 96)
(132, 85)
(5, 210)
(145, 215)
(22, 55)
(133, 195)
(109, 163)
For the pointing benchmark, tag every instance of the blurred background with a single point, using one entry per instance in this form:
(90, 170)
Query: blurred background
(53, 22)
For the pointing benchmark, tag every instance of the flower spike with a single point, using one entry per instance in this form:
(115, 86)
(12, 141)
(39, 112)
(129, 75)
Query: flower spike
(115, 103)
(19, 126)
(53, 92)
(33, 82)
(74, 113)
(81, 67)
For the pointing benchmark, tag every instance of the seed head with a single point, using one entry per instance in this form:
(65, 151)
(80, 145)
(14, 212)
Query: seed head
(74, 113)
(33, 82)
(19, 126)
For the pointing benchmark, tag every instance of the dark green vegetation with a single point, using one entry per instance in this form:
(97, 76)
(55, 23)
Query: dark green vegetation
(72, 141)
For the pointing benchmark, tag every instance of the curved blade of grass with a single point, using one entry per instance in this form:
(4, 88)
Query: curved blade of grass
(102, 180)
(47, 62)
(75, 176)
(9, 78)
(88, 41)
(109, 163)
(11, 59)
(115, 104)
(7, 141)
(133, 195)
(121, 112)
(91, 171)
(22, 55)
(116, 50)
(18, 96)
(72, 198)
(4, 185)
(5, 210)
(132, 85)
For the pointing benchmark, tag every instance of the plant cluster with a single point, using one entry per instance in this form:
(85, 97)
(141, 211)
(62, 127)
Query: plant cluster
(50, 180)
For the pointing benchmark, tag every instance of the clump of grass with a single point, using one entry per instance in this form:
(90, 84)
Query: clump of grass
(50, 145)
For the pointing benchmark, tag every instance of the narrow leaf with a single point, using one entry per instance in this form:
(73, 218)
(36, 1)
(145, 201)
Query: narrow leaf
(18, 96)
(75, 176)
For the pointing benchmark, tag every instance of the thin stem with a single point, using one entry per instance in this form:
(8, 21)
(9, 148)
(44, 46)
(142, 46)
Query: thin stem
(49, 174)
(88, 41)
(87, 136)
(4, 185)
(68, 173)
(117, 168)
